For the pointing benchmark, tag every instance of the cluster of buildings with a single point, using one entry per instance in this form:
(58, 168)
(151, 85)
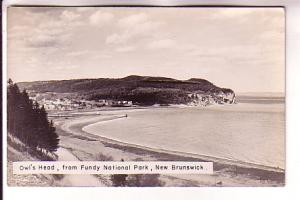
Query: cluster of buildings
(51, 101)
(64, 104)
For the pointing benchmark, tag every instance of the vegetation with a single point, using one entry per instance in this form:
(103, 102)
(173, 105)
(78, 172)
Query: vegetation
(131, 180)
(142, 90)
(136, 180)
(119, 180)
(144, 180)
(102, 157)
(28, 122)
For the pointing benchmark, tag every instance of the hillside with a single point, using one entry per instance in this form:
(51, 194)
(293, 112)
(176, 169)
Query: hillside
(139, 89)
(14, 155)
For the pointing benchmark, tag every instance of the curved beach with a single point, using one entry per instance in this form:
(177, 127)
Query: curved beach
(76, 128)
(172, 152)
(216, 135)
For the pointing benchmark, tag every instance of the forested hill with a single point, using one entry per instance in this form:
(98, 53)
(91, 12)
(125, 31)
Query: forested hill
(141, 89)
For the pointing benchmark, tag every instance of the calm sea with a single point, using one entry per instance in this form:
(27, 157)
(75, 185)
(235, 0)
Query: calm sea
(251, 131)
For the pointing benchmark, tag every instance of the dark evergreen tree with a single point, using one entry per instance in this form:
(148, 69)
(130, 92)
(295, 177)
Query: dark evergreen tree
(28, 122)
(13, 95)
(53, 140)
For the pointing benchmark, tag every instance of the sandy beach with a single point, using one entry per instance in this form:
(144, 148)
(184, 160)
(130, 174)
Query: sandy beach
(88, 147)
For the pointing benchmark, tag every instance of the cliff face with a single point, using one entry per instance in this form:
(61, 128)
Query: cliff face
(140, 90)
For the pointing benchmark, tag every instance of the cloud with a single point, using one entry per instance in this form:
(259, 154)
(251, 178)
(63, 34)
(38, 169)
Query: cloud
(132, 20)
(44, 31)
(133, 26)
(208, 41)
(77, 53)
(41, 41)
(42, 36)
(161, 44)
(100, 18)
(125, 49)
(69, 15)
(117, 38)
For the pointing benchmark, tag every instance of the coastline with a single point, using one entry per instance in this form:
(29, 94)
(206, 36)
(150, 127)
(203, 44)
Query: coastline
(114, 142)
(226, 171)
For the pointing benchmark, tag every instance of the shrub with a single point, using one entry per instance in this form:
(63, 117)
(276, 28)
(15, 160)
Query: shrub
(144, 180)
(136, 180)
(102, 157)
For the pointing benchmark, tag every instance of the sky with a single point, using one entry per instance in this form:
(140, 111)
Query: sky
(238, 48)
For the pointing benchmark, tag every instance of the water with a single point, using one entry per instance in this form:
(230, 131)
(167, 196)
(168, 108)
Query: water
(246, 132)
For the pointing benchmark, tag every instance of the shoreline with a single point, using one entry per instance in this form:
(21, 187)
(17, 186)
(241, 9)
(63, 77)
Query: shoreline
(235, 170)
(205, 158)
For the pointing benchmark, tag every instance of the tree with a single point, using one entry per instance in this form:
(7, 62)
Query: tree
(28, 122)
(144, 180)
(13, 94)
(119, 180)
(53, 140)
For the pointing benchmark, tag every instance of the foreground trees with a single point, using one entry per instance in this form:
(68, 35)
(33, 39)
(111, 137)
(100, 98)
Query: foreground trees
(28, 122)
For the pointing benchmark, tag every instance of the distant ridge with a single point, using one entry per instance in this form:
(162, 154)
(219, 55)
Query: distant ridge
(139, 89)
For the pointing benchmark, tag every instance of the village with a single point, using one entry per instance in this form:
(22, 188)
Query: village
(68, 104)
(65, 102)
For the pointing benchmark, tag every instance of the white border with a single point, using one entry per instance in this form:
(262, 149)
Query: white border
(290, 191)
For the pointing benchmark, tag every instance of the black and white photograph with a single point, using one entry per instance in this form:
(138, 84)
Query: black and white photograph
(147, 84)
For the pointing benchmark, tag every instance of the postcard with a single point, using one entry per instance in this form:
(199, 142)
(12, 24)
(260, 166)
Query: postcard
(122, 96)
